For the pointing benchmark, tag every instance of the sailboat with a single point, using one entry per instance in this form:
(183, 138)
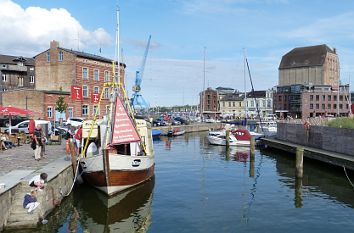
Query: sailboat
(117, 152)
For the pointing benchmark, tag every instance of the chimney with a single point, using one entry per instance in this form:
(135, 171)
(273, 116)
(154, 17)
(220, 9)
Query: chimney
(335, 50)
(54, 44)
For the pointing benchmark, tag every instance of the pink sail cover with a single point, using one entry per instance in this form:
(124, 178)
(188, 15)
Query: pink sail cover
(124, 130)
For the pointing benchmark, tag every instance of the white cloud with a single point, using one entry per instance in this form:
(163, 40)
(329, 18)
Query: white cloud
(29, 31)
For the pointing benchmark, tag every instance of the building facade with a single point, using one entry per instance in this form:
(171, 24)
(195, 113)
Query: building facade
(209, 104)
(264, 99)
(16, 72)
(232, 105)
(312, 65)
(309, 84)
(58, 71)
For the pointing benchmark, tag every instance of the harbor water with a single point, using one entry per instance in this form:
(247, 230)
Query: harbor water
(203, 188)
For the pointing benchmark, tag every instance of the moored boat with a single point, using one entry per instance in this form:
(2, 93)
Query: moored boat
(238, 137)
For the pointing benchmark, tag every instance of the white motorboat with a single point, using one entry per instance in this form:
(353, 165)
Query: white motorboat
(239, 137)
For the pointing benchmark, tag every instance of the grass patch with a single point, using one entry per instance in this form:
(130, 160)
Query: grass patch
(342, 122)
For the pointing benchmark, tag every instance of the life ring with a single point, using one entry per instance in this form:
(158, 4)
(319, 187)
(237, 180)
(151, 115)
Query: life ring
(307, 125)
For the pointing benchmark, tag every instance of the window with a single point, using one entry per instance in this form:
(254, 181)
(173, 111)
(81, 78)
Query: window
(48, 56)
(106, 76)
(106, 93)
(223, 104)
(31, 68)
(311, 97)
(233, 104)
(335, 98)
(323, 97)
(3, 77)
(96, 90)
(49, 112)
(347, 106)
(32, 79)
(317, 97)
(96, 108)
(96, 75)
(85, 73)
(85, 110)
(335, 106)
(60, 56)
(329, 106)
(317, 106)
(311, 106)
(71, 112)
(323, 106)
(85, 92)
(279, 98)
(329, 97)
(20, 81)
(340, 98)
(340, 106)
(107, 109)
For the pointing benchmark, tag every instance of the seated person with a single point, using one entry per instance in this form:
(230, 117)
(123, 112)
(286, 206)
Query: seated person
(8, 143)
(30, 201)
(38, 181)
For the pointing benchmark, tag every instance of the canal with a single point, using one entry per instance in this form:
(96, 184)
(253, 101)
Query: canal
(203, 188)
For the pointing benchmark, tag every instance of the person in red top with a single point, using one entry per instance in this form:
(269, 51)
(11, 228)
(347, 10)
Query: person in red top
(78, 137)
(31, 126)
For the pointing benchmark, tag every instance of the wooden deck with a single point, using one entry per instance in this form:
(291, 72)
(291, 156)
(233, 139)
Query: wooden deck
(329, 157)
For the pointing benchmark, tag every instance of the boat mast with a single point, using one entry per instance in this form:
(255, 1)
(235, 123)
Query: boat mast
(203, 93)
(244, 80)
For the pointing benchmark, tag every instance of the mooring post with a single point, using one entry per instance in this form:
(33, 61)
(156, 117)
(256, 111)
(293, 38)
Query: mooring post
(252, 158)
(252, 145)
(298, 192)
(227, 138)
(73, 155)
(299, 162)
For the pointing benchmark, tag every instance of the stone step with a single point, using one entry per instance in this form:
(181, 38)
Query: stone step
(21, 225)
(24, 216)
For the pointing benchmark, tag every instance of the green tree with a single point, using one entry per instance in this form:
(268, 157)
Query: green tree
(61, 106)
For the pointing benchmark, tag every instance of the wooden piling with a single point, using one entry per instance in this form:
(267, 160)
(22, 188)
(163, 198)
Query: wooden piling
(227, 138)
(73, 155)
(252, 158)
(252, 145)
(298, 192)
(299, 162)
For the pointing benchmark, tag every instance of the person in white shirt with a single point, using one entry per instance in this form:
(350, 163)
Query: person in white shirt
(38, 181)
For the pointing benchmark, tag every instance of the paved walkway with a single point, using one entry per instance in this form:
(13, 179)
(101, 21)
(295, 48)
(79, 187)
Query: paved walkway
(20, 157)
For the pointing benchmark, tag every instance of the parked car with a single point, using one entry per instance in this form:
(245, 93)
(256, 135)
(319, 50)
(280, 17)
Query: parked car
(159, 122)
(181, 120)
(5, 122)
(22, 127)
(74, 121)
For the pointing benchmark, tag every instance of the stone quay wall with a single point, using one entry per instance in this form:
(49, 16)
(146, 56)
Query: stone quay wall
(322, 137)
(59, 184)
(200, 127)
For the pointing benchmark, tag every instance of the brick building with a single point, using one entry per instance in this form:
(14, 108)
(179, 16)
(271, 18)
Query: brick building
(16, 72)
(209, 106)
(57, 71)
(308, 84)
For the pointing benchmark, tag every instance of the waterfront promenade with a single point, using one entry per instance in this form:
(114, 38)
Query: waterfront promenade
(20, 157)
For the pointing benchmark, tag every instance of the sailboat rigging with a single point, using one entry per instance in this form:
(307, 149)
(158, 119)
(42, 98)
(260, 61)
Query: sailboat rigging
(118, 151)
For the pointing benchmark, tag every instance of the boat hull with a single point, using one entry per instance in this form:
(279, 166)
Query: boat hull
(117, 172)
(222, 142)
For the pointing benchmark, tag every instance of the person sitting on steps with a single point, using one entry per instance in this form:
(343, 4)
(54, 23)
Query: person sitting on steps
(30, 202)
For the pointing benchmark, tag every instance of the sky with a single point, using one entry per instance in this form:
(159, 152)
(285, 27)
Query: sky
(182, 32)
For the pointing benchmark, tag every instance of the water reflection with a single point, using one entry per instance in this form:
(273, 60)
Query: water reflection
(319, 179)
(126, 212)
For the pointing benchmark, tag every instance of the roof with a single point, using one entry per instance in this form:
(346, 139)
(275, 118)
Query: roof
(257, 94)
(305, 57)
(224, 89)
(6, 59)
(233, 97)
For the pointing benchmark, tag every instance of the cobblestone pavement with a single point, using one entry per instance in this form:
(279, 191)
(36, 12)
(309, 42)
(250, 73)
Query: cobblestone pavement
(20, 157)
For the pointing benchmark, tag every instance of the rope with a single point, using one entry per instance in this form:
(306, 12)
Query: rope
(76, 172)
(345, 171)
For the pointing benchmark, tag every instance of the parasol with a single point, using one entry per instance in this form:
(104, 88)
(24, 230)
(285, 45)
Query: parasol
(13, 111)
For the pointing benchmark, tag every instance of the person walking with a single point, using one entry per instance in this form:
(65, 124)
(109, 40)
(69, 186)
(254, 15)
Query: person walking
(78, 137)
(37, 136)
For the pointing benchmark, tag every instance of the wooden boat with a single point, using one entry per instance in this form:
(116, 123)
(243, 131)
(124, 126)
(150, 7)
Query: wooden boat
(126, 160)
(238, 137)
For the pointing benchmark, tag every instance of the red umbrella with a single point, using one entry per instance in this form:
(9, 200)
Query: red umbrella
(13, 111)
